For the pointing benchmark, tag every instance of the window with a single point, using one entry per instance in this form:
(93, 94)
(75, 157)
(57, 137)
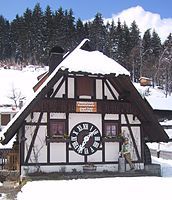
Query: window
(84, 86)
(110, 129)
(5, 118)
(57, 128)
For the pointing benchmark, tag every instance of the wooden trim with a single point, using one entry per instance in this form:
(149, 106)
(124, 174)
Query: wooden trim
(103, 142)
(71, 163)
(22, 145)
(134, 125)
(132, 137)
(69, 106)
(33, 138)
(67, 141)
(48, 135)
(75, 88)
(58, 87)
(66, 87)
(85, 159)
(103, 89)
(142, 142)
(56, 140)
(94, 89)
(35, 123)
(110, 90)
(114, 83)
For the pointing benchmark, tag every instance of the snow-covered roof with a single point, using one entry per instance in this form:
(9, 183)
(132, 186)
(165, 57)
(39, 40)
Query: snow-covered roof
(93, 62)
(78, 60)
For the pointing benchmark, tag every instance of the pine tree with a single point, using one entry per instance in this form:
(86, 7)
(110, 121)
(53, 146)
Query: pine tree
(156, 44)
(116, 40)
(134, 35)
(145, 54)
(81, 31)
(97, 33)
(48, 33)
(126, 47)
(69, 29)
(165, 65)
(5, 47)
(135, 51)
(29, 46)
(58, 37)
(37, 34)
(18, 37)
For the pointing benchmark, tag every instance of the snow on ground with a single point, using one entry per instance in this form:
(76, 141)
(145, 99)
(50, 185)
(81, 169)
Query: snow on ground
(155, 96)
(130, 188)
(18, 81)
(162, 146)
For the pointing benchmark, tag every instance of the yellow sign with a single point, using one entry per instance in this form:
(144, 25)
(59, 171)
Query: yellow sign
(86, 106)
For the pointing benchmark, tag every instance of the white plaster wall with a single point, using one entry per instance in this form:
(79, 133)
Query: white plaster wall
(99, 94)
(113, 89)
(74, 157)
(57, 83)
(96, 157)
(29, 131)
(132, 120)
(70, 87)
(107, 93)
(39, 151)
(58, 152)
(61, 90)
(136, 134)
(111, 151)
(111, 117)
(57, 115)
(75, 118)
(35, 117)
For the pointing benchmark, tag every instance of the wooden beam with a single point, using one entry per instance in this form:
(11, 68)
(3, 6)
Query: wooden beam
(58, 87)
(110, 89)
(132, 137)
(33, 138)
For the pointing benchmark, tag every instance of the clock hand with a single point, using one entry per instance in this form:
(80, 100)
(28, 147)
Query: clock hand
(91, 134)
(86, 139)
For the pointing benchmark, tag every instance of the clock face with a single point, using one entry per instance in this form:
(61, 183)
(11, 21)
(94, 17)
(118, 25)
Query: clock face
(85, 138)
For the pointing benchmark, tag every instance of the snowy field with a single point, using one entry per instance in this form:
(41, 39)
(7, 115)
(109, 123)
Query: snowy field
(18, 81)
(134, 188)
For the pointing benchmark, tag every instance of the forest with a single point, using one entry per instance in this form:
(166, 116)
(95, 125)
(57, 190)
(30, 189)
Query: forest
(29, 38)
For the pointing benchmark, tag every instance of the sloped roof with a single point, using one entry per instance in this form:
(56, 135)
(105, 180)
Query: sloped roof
(93, 62)
(153, 132)
(78, 60)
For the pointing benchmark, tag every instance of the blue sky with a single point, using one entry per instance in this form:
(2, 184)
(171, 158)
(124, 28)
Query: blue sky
(88, 8)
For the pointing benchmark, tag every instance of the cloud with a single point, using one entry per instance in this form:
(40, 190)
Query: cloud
(145, 20)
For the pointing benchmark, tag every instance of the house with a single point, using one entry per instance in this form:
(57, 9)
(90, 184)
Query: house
(78, 114)
(144, 81)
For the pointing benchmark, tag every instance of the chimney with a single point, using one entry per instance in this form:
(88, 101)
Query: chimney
(56, 56)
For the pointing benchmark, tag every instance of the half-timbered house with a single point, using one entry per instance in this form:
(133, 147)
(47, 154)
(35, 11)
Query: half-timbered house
(78, 112)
